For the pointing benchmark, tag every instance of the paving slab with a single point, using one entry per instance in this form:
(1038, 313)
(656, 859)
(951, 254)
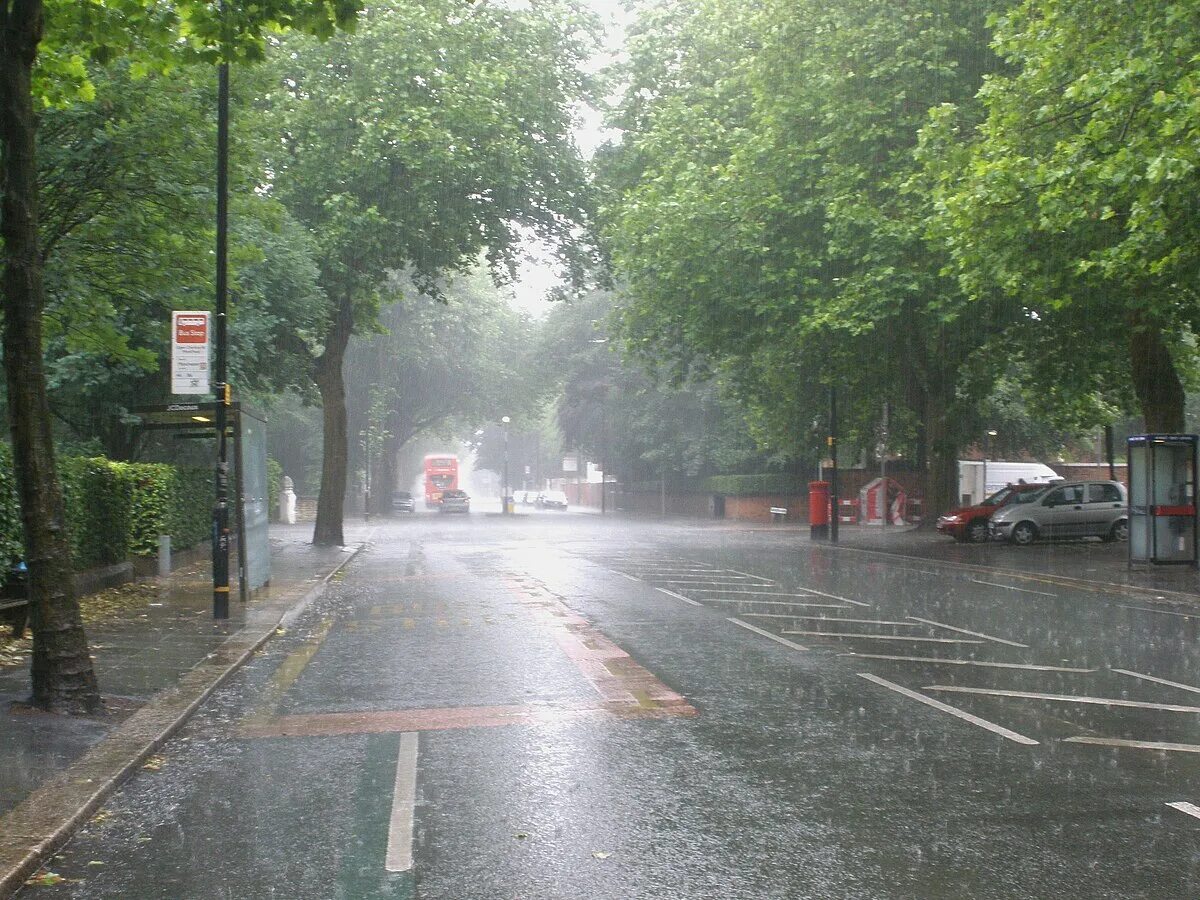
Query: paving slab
(155, 668)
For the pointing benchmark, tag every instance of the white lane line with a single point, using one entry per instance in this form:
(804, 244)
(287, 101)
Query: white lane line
(1009, 587)
(805, 593)
(627, 575)
(774, 603)
(679, 596)
(1136, 745)
(1183, 806)
(1165, 612)
(979, 634)
(795, 618)
(946, 708)
(674, 579)
(776, 638)
(404, 801)
(1063, 698)
(809, 590)
(886, 637)
(1156, 680)
(969, 662)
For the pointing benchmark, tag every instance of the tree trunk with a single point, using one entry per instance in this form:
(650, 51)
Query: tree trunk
(61, 669)
(330, 382)
(383, 480)
(1155, 378)
(941, 483)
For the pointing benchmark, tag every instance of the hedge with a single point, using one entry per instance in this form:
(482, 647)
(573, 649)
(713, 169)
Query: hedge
(116, 510)
(755, 485)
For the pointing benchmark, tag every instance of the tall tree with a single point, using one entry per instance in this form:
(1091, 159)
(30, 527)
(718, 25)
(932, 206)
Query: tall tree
(763, 213)
(1078, 196)
(61, 668)
(434, 134)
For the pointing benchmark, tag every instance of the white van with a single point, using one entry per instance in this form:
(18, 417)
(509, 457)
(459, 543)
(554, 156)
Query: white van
(974, 485)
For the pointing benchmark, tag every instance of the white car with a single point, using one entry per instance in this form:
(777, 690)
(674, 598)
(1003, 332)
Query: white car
(552, 500)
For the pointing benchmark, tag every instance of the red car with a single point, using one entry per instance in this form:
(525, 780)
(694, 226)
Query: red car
(970, 523)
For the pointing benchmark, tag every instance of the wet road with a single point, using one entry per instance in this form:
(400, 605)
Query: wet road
(558, 706)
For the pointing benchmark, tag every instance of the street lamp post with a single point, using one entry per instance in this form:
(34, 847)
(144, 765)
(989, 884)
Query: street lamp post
(504, 496)
(990, 433)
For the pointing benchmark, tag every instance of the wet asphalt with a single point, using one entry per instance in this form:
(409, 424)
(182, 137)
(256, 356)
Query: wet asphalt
(591, 722)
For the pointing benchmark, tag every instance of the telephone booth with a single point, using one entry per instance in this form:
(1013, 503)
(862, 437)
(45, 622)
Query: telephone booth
(1162, 499)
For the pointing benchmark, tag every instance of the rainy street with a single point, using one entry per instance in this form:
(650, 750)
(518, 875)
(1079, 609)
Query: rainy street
(557, 705)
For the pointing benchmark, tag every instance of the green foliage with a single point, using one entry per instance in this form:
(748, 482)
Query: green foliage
(191, 507)
(11, 539)
(116, 510)
(274, 486)
(770, 483)
(98, 495)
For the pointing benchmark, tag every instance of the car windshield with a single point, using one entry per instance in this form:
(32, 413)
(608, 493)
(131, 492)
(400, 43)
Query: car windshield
(1027, 496)
(998, 498)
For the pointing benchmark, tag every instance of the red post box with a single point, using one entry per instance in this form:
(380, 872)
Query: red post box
(818, 510)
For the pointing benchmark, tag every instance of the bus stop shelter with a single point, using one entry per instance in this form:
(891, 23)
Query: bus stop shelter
(247, 433)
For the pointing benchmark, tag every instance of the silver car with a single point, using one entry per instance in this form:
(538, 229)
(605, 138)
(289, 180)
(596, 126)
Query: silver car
(1072, 509)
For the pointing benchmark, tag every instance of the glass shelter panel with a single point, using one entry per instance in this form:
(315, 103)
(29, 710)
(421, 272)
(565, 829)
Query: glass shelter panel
(255, 502)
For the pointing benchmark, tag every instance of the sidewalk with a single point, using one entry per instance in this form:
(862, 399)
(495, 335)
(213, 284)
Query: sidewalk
(155, 663)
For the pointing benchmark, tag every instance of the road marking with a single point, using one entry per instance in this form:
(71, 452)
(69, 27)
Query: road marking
(809, 590)
(886, 637)
(627, 575)
(1183, 806)
(287, 673)
(952, 710)
(827, 619)
(774, 603)
(680, 579)
(679, 596)
(1136, 745)
(1174, 684)
(1009, 587)
(979, 634)
(969, 662)
(774, 637)
(806, 593)
(1063, 698)
(404, 802)
(1165, 612)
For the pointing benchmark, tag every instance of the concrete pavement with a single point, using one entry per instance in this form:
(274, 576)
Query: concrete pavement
(156, 664)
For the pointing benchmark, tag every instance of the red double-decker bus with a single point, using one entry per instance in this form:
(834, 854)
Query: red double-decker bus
(441, 474)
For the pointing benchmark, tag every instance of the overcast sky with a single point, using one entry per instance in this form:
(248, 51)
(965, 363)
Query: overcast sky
(538, 277)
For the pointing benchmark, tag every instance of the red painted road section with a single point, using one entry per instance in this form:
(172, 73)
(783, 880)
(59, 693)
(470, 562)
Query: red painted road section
(626, 689)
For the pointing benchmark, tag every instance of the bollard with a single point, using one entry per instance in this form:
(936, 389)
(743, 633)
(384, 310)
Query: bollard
(164, 555)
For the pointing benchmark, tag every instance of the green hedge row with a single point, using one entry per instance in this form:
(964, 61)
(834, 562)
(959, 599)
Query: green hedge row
(754, 485)
(116, 510)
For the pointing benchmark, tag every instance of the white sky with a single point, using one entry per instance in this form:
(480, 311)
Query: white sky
(537, 277)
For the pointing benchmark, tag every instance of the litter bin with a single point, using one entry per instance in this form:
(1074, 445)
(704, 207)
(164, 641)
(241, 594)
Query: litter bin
(818, 510)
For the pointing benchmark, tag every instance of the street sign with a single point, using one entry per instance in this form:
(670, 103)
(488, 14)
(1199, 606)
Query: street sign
(189, 352)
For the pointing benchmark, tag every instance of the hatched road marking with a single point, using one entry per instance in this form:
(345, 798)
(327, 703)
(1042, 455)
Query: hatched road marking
(1063, 698)
(774, 637)
(979, 634)
(1135, 745)
(884, 637)
(1156, 680)
(679, 596)
(1183, 806)
(952, 710)
(970, 662)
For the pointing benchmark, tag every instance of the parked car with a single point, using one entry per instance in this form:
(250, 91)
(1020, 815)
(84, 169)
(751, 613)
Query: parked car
(552, 500)
(402, 501)
(1073, 509)
(455, 501)
(970, 523)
